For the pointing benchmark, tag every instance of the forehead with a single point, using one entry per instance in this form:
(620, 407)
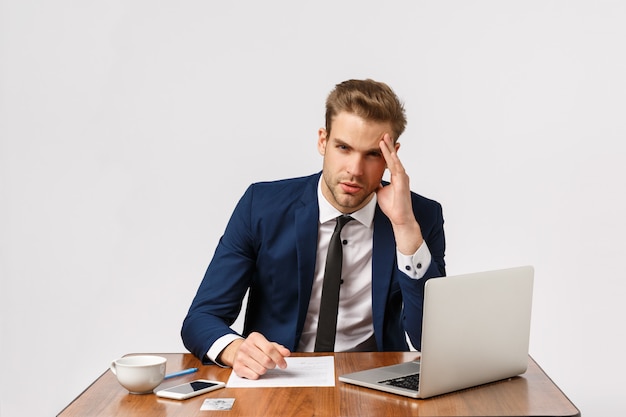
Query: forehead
(353, 129)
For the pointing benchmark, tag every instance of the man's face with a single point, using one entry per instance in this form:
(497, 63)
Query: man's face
(353, 162)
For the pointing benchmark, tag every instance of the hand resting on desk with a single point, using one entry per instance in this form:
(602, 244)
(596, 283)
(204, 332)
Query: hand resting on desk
(252, 357)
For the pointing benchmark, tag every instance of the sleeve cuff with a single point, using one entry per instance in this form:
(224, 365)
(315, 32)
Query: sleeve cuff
(219, 345)
(416, 265)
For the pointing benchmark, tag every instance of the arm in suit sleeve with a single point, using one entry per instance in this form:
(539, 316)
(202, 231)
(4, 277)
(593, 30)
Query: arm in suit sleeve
(219, 298)
(429, 215)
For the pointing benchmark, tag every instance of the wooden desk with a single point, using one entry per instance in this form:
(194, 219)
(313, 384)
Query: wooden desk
(531, 394)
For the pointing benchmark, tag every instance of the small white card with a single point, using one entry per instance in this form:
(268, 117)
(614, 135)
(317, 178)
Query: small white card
(223, 404)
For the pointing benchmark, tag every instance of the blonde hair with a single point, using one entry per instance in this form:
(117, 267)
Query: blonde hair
(368, 99)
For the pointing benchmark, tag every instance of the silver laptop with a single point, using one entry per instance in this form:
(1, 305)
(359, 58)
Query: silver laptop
(476, 329)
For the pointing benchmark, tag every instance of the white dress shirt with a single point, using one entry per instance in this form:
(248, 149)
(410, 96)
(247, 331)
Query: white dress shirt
(355, 329)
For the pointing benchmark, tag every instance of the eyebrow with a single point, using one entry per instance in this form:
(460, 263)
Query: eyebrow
(367, 151)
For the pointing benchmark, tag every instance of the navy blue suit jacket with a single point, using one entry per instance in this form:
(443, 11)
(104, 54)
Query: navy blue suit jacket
(269, 247)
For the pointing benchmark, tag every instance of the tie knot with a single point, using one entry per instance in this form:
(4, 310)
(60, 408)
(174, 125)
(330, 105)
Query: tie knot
(342, 220)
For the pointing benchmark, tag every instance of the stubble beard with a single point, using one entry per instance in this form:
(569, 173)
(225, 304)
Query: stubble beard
(347, 203)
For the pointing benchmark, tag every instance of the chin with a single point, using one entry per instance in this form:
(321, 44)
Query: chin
(350, 205)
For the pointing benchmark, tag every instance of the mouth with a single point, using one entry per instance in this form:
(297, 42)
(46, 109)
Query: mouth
(350, 187)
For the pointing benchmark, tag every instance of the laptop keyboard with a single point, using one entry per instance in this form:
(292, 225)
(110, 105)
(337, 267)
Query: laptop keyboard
(408, 381)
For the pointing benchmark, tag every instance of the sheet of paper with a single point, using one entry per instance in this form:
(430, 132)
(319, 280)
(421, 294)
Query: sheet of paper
(317, 371)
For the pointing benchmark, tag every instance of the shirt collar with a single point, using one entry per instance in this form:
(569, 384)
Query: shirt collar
(365, 216)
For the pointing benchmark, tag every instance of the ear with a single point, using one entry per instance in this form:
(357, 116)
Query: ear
(322, 141)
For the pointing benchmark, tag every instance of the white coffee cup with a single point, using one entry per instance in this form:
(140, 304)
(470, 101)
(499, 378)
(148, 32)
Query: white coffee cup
(139, 374)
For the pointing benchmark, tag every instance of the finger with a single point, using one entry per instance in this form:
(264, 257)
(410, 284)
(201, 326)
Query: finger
(263, 351)
(243, 371)
(246, 364)
(384, 147)
(246, 367)
(263, 354)
(278, 354)
(389, 150)
(271, 354)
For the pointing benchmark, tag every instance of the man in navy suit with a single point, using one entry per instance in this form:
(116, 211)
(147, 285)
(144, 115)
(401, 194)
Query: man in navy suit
(275, 245)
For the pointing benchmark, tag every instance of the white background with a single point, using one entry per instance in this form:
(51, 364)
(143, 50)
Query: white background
(130, 128)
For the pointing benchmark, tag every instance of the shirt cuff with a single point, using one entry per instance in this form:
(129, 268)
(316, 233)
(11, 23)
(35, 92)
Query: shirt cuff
(416, 265)
(219, 345)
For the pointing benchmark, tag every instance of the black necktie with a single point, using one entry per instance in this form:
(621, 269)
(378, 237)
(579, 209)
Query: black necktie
(327, 324)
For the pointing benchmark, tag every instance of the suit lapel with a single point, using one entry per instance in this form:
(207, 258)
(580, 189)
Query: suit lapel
(383, 263)
(306, 229)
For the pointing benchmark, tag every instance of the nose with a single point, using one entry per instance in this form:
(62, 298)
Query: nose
(355, 165)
